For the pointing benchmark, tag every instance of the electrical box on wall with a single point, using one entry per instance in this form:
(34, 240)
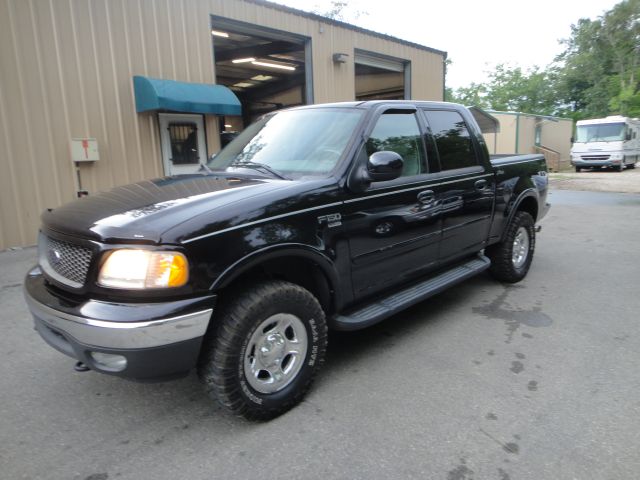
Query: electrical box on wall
(84, 150)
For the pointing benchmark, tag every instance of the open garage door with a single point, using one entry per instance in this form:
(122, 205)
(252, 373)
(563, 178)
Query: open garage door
(380, 77)
(267, 70)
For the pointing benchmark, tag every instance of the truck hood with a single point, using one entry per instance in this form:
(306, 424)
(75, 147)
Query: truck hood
(143, 211)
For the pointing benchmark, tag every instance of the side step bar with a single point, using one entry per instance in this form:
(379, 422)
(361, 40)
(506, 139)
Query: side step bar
(392, 304)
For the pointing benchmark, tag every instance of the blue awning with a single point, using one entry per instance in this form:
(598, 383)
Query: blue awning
(155, 94)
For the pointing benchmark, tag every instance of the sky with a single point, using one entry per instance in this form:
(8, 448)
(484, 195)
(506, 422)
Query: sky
(476, 35)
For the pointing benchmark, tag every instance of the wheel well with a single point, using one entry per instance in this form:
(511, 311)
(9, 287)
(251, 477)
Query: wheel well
(529, 205)
(301, 271)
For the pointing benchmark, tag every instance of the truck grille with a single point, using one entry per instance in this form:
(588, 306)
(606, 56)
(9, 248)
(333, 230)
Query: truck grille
(63, 261)
(595, 157)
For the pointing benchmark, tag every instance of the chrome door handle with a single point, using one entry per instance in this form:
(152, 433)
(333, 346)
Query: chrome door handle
(427, 196)
(481, 184)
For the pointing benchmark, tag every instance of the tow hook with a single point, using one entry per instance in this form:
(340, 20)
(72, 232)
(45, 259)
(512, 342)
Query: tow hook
(81, 367)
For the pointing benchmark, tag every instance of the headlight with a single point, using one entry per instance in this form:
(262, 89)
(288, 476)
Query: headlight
(144, 269)
(616, 156)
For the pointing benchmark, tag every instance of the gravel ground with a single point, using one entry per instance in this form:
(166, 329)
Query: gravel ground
(598, 180)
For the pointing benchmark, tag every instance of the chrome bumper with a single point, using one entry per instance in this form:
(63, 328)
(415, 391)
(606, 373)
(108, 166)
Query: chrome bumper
(127, 335)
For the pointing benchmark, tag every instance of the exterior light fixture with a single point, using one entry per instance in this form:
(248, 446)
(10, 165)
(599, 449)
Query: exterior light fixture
(228, 126)
(243, 60)
(340, 57)
(274, 65)
(243, 84)
(218, 33)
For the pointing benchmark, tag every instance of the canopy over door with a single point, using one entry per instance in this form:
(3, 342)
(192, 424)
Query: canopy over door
(170, 95)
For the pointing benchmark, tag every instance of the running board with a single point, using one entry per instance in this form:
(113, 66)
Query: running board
(392, 304)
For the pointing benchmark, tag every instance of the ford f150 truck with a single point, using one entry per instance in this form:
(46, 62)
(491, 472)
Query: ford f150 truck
(325, 216)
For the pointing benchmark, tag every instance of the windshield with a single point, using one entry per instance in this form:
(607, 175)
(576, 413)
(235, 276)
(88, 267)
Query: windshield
(294, 143)
(604, 132)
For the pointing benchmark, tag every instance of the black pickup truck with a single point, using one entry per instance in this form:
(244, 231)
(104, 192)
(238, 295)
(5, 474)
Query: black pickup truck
(326, 216)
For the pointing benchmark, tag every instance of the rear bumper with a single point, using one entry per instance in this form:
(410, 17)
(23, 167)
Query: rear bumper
(157, 340)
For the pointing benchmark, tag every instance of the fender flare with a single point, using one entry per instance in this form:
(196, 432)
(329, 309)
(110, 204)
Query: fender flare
(298, 250)
(513, 208)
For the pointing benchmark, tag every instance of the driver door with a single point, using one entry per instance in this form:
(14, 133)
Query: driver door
(394, 227)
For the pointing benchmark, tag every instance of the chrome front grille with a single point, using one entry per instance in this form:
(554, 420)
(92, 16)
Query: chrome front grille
(600, 158)
(65, 262)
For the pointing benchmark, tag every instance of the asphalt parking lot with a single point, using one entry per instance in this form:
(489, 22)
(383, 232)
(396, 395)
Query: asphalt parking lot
(537, 380)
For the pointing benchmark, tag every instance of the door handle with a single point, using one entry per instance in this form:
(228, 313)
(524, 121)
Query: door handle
(426, 197)
(481, 184)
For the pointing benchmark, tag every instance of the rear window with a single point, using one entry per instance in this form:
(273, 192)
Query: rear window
(453, 140)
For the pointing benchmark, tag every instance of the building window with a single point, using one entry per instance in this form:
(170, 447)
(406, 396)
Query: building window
(183, 137)
(538, 139)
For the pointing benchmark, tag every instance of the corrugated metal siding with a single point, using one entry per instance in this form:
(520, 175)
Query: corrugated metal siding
(557, 136)
(66, 69)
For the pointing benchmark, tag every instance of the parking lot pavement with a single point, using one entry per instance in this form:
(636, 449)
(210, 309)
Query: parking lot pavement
(537, 380)
(599, 180)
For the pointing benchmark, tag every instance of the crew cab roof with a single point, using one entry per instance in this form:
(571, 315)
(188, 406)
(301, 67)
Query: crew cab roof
(369, 104)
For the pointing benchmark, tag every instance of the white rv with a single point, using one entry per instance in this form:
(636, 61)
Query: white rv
(606, 142)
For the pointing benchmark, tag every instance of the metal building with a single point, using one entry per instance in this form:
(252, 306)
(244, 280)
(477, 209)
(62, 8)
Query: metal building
(529, 133)
(67, 88)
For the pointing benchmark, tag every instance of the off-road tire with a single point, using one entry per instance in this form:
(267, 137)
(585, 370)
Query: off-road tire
(501, 254)
(221, 365)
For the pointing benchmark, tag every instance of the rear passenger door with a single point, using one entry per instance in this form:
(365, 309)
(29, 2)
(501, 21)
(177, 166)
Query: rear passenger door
(466, 189)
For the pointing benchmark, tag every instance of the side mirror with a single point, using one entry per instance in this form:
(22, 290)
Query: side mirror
(572, 140)
(384, 165)
(628, 137)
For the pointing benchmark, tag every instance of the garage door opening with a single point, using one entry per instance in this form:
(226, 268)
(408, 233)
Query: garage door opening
(381, 78)
(266, 69)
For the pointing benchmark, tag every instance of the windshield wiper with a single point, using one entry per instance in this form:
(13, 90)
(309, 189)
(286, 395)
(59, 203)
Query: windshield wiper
(259, 166)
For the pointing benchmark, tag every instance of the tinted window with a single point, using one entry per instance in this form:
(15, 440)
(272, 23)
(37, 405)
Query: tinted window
(399, 132)
(452, 139)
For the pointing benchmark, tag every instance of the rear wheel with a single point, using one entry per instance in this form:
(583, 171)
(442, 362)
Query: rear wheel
(511, 258)
(269, 344)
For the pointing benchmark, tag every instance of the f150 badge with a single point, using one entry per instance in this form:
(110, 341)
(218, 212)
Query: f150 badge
(331, 219)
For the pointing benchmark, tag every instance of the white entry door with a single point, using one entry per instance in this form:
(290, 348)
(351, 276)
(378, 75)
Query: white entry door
(183, 145)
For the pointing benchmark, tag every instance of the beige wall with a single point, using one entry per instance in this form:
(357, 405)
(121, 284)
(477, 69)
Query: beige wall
(66, 70)
(555, 135)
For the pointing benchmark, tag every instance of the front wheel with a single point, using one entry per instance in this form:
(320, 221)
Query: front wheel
(578, 169)
(511, 258)
(269, 344)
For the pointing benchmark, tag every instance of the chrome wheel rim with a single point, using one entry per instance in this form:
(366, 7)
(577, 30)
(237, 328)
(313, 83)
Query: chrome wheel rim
(275, 353)
(520, 248)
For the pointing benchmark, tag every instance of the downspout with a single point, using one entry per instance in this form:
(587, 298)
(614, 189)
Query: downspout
(517, 132)
(444, 77)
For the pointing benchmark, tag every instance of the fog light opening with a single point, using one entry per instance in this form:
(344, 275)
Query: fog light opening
(109, 361)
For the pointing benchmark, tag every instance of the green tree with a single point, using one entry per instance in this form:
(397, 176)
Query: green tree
(600, 71)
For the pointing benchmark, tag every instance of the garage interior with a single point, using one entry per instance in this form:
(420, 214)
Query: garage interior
(266, 70)
(380, 78)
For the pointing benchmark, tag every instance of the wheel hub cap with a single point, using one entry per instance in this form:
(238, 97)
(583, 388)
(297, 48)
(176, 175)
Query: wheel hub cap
(272, 349)
(275, 353)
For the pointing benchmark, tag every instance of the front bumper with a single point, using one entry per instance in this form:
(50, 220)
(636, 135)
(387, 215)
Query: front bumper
(158, 340)
(596, 163)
